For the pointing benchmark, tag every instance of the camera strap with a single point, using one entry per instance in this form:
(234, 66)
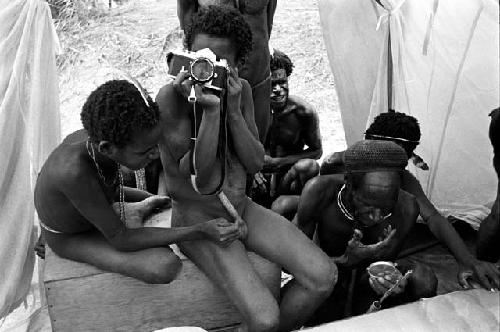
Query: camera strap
(221, 147)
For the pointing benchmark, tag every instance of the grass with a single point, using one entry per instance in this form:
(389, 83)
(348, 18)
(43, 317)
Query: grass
(135, 36)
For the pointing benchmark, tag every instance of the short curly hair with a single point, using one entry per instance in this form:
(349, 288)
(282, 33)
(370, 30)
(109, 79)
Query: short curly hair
(397, 125)
(280, 60)
(115, 111)
(221, 21)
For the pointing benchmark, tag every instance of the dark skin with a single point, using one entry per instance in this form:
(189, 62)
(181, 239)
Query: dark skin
(259, 16)
(266, 233)
(469, 267)
(71, 197)
(293, 143)
(489, 232)
(382, 234)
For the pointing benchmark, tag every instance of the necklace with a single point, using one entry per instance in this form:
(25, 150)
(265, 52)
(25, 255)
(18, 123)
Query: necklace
(342, 207)
(91, 152)
(119, 176)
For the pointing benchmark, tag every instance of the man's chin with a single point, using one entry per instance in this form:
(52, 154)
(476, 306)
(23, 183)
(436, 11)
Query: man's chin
(278, 104)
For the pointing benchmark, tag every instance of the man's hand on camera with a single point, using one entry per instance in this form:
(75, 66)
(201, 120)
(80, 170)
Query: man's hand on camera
(234, 88)
(204, 97)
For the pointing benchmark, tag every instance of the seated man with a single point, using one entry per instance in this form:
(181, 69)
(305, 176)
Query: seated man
(404, 130)
(489, 232)
(193, 160)
(293, 143)
(81, 179)
(361, 218)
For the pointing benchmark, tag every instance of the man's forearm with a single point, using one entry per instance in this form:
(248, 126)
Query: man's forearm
(288, 161)
(247, 147)
(149, 237)
(205, 151)
(135, 195)
(445, 233)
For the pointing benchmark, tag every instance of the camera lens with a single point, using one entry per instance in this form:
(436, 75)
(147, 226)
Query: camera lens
(202, 70)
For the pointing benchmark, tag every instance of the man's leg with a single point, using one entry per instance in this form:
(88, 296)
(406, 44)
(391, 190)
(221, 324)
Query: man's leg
(275, 238)
(231, 270)
(286, 206)
(488, 235)
(153, 265)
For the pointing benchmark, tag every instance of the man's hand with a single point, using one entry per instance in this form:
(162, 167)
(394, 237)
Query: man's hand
(221, 231)
(259, 181)
(242, 228)
(487, 274)
(382, 284)
(187, 88)
(271, 164)
(234, 88)
(356, 252)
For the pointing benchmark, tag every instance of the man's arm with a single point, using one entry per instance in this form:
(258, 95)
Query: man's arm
(185, 11)
(241, 123)
(310, 206)
(86, 195)
(445, 233)
(271, 9)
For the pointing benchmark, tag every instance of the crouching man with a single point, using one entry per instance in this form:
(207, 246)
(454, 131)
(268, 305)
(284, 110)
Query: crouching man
(360, 218)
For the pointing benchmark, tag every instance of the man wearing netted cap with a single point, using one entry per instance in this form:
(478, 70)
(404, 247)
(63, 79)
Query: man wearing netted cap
(362, 217)
(404, 130)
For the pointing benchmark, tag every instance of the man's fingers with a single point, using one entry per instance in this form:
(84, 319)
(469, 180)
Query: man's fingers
(389, 237)
(483, 280)
(463, 279)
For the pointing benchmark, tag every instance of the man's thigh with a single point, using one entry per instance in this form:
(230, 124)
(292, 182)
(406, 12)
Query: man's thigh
(277, 239)
(231, 270)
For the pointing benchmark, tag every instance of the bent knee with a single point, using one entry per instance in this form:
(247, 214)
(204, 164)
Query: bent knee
(266, 320)
(424, 282)
(162, 271)
(323, 278)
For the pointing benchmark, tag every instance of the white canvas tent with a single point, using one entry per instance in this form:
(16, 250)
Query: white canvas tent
(445, 72)
(29, 131)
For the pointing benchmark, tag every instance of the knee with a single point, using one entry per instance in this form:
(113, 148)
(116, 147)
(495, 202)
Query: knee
(266, 320)
(162, 270)
(324, 278)
(424, 282)
(280, 205)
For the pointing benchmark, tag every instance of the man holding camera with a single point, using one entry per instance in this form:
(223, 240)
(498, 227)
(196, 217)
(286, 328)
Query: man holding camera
(193, 147)
(259, 16)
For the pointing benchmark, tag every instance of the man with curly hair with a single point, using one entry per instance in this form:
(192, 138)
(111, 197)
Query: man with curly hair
(292, 146)
(361, 217)
(259, 15)
(404, 130)
(489, 232)
(186, 150)
(81, 179)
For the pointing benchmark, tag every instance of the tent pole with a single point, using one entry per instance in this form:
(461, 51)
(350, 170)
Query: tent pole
(389, 71)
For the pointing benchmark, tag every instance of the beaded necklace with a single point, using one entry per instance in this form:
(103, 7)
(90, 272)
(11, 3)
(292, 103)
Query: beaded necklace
(119, 176)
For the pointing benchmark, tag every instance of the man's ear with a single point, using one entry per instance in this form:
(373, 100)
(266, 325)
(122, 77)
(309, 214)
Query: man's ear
(107, 148)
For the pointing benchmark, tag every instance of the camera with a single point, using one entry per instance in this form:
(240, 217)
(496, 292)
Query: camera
(202, 66)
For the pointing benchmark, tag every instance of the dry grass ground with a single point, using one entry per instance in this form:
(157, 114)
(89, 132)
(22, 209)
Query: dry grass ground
(133, 37)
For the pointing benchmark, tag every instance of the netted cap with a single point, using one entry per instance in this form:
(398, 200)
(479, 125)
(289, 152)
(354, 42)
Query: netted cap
(374, 155)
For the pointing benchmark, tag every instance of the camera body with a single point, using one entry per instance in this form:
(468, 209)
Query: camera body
(202, 66)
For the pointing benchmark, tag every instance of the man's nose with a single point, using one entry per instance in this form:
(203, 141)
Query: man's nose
(376, 215)
(276, 88)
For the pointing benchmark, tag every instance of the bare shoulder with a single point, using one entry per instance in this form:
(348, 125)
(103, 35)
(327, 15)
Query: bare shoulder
(302, 107)
(408, 204)
(166, 98)
(322, 189)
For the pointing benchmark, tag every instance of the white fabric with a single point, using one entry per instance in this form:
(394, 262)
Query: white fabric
(29, 131)
(445, 56)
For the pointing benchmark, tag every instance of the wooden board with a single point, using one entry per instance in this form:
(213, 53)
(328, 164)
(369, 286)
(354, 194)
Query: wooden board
(84, 298)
